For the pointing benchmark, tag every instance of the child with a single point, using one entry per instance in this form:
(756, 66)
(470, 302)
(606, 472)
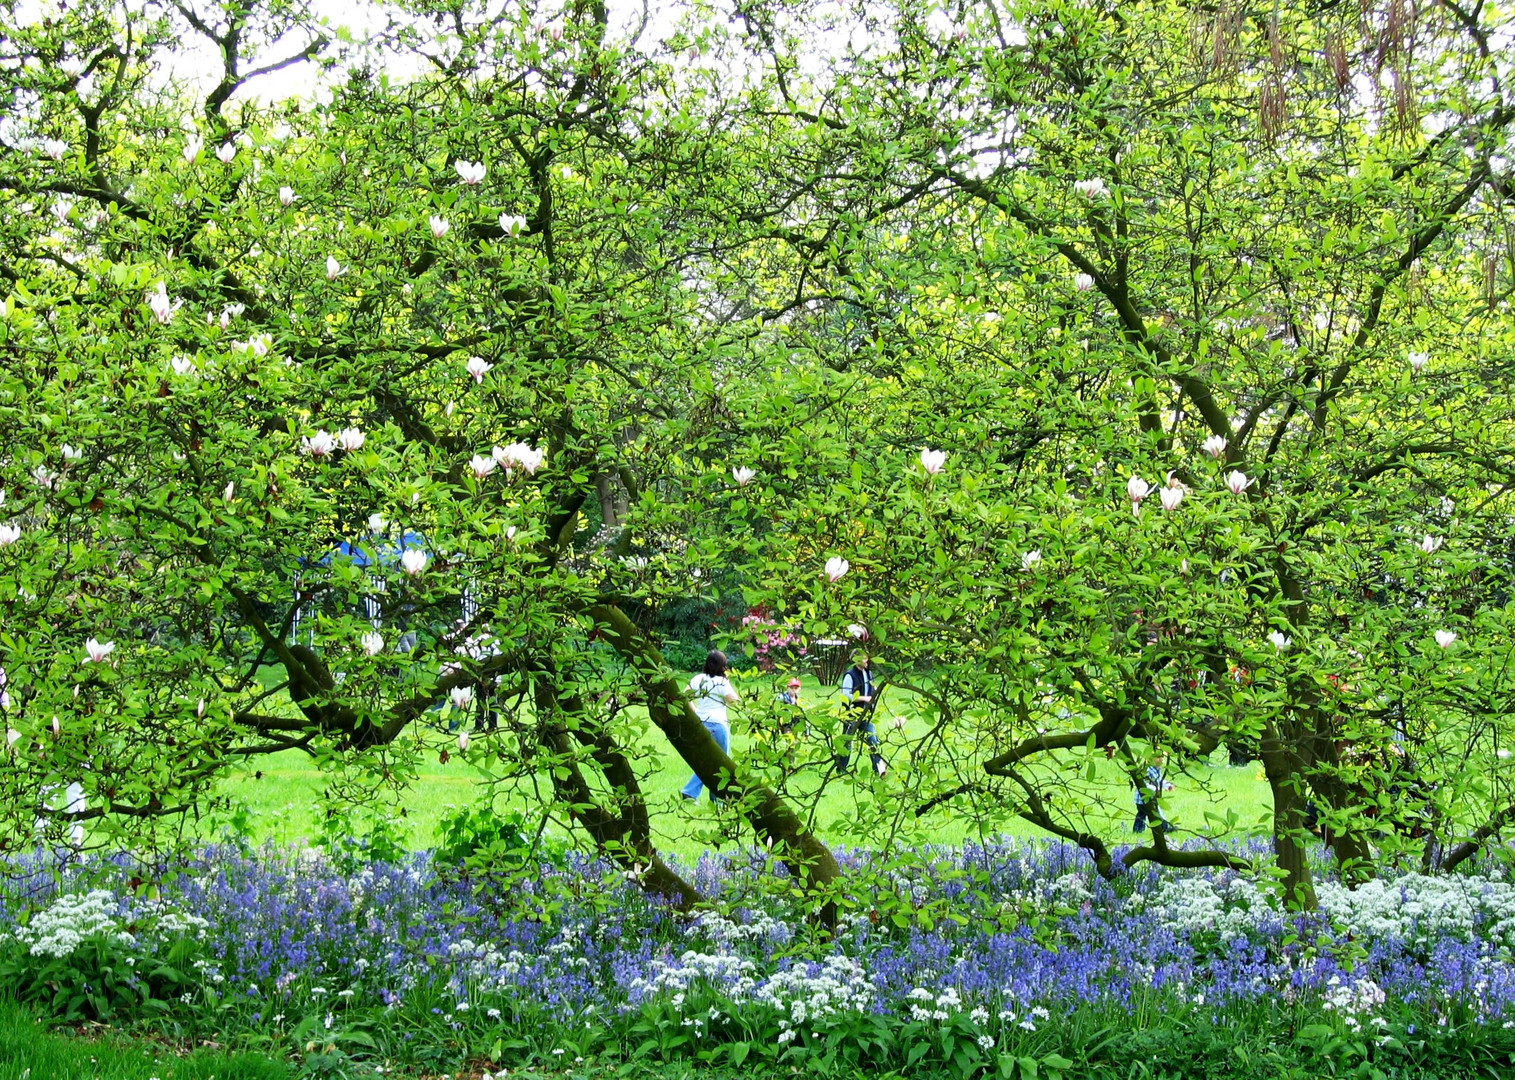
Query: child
(1148, 791)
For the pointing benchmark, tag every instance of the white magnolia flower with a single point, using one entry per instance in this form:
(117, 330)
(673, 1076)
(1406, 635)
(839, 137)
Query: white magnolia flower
(97, 651)
(1418, 361)
(470, 172)
(12, 736)
(226, 151)
(287, 196)
(1031, 558)
(231, 489)
(439, 226)
(461, 696)
(373, 643)
(1215, 446)
(1137, 489)
(258, 345)
(1170, 497)
(319, 445)
(512, 224)
(482, 465)
(230, 312)
(1237, 481)
(162, 307)
(519, 456)
(351, 439)
(462, 748)
(1445, 637)
(1280, 641)
(9, 534)
(192, 149)
(413, 561)
(1091, 189)
(70, 454)
(53, 148)
(334, 269)
(478, 367)
(933, 461)
(743, 475)
(182, 365)
(1083, 282)
(510, 534)
(836, 568)
(1430, 544)
(376, 523)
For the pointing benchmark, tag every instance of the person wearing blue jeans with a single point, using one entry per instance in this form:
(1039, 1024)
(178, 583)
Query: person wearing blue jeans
(710, 692)
(1147, 795)
(859, 696)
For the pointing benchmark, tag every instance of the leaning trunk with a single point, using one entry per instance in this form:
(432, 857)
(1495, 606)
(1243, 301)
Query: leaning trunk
(1285, 780)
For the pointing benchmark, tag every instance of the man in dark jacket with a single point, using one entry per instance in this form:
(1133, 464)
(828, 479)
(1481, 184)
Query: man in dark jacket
(859, 696)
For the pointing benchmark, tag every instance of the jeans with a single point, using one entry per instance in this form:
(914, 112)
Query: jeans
(722, 735)
(1145, 813)
(850, 730)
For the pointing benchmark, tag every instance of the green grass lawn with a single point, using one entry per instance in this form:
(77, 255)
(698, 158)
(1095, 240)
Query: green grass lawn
(283, 793)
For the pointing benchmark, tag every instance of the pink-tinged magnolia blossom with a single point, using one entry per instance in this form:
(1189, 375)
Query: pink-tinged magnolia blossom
(1237, 481)
(463, 742)
(933, 461)
(71, 455)
(53, 148)
(1030, 559)
(287, 196)
(439, 226)
(1430, 544)
(1083, 282)
(1215, 446)
(470, 172)
(519, 456)
(319, 445)
(512, 224)
(413, 561)
(192, 149)
(57, 727)
(1170, 497)
(836, 568)
(1445, 638)
(230, 492)
(9, 534)
(1280, 641)
(1137, 489)
(334, 269)
(1091, 189)
(478, 367)
(1418, 362)
(225, 152)
(743, 475)
(461, 696)
(161, 306)
(350, 439)
(97, 651)
(373, 643)
(482, 465)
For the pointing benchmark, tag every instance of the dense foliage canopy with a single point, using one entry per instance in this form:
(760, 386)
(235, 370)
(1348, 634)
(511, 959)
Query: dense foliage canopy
(1206, 307)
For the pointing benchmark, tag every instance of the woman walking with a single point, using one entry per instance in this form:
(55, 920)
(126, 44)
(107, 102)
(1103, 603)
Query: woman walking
(710, 693)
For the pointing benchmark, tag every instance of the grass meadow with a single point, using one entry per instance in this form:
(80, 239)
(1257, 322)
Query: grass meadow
(283, 793)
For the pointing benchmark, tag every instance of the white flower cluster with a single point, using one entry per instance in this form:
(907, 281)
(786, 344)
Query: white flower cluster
(58, 930)
(733, 973)
(1413, 908)
(724, 933)
(1418, 909)
(1355, 1001)
(1231, 909)
(924, 1005)
(813, 992)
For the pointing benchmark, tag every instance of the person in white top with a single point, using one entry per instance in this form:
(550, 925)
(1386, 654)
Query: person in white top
(710, 692)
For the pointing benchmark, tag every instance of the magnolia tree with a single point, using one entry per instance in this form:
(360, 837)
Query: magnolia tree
(1203, 322)
(326, 415)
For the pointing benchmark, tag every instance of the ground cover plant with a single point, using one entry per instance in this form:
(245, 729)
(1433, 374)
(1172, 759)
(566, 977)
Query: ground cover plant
(998, 960)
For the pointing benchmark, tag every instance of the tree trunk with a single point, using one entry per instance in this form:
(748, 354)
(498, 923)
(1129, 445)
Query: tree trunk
(807, 859)
(1284, 775)
(623, 834)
